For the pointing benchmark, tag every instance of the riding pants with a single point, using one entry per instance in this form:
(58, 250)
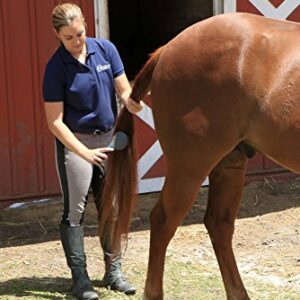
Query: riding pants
(77, 176)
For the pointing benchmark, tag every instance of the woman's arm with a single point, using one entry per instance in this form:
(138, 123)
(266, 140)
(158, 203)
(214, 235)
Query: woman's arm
(54, 116)
(123, 90)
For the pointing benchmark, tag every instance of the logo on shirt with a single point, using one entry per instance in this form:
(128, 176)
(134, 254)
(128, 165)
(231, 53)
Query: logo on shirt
(101, 68)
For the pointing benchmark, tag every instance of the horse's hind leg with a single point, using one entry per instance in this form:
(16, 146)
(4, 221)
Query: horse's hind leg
(175, 200)
(225, 191)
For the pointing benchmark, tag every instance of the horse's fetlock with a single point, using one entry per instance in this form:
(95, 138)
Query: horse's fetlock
(155, 296)
(239, 293)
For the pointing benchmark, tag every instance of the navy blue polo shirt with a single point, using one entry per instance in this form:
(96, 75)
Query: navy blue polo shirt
(87, 90)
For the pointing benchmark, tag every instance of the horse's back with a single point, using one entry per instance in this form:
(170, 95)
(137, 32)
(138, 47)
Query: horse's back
(224, 80)
(230, 45)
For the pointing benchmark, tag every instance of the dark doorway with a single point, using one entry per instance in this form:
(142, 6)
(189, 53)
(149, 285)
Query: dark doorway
(138, 27)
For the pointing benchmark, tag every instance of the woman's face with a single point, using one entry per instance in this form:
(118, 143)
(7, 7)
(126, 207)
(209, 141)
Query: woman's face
(73, 36)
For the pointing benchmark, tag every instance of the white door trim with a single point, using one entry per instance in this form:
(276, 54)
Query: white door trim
(101, 19)
(218, 7)
(229, 6)
(266, 8)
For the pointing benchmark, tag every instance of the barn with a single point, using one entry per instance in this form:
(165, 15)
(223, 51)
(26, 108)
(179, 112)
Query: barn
(137, 27)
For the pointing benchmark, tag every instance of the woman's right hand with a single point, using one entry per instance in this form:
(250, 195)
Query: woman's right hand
(54, 115)
(96, 156)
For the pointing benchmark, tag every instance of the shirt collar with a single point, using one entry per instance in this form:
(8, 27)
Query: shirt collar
(65, 54)
(90, 46)
(68, 58)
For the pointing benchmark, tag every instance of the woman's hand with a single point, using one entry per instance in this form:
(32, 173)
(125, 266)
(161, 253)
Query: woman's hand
(123, 89)
(133, 106)
(54, 115)
(96, 156)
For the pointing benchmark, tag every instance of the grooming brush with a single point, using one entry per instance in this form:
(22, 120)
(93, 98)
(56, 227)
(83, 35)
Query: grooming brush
(119, 141)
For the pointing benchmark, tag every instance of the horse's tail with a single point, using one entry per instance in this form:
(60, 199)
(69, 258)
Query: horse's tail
(119, 193)
(143, 78)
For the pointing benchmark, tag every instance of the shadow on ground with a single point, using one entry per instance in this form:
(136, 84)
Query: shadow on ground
(36, 224)
(52, 288)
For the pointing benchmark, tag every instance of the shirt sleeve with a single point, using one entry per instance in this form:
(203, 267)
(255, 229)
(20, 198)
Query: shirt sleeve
(53, 83)
(115, 60)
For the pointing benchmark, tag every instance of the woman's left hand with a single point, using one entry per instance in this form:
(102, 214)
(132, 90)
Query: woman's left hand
(133, 106)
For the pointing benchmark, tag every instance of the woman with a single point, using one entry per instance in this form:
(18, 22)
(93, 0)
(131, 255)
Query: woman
(79, 87)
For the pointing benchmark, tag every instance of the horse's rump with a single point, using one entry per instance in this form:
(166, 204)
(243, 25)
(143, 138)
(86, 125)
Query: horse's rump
(230, 78)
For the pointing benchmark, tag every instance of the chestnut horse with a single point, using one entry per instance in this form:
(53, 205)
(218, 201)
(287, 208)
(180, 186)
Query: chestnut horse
(222, 89)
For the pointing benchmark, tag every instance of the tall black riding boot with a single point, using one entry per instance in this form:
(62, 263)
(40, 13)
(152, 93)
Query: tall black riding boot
(114, 278)
(72, 241)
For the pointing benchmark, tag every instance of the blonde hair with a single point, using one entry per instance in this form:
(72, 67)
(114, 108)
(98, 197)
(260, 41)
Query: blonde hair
(64, 14)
